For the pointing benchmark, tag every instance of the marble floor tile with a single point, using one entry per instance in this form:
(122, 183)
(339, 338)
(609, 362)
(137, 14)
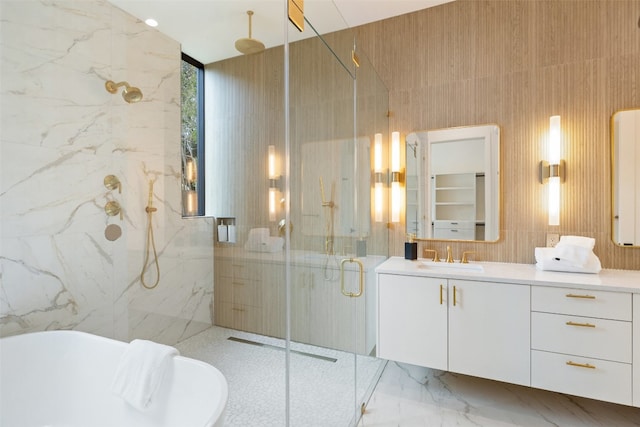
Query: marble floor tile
(410, 396)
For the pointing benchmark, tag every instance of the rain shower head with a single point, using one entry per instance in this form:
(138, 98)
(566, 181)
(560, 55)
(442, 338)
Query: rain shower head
(130, 94)
(248, 45)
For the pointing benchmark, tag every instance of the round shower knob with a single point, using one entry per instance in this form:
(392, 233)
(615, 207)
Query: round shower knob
(112, 208)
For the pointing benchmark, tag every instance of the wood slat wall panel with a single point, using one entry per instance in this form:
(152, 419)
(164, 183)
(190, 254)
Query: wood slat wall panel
(515, 63)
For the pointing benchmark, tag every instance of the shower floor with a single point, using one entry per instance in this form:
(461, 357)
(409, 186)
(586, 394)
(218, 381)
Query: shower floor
(254, 366)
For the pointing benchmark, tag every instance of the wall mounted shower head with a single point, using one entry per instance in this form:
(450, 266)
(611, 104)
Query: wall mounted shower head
(130, 94)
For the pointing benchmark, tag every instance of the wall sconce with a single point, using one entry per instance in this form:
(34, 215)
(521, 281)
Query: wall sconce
(190, 194)
(378, 195)
(552, 170)
(396, 177)
(274, 182)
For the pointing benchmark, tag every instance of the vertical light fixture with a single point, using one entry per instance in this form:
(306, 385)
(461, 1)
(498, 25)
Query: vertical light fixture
(378, 177)
(189, 194)
(395, 177)
(273, 182)
(552, 170)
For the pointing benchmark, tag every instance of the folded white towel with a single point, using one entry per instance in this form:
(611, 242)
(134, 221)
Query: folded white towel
(578, 256)
(546, 259)
(585, 242)
(140, 371)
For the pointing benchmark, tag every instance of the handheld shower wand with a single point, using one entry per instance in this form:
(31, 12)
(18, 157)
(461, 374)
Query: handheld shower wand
(151, 243)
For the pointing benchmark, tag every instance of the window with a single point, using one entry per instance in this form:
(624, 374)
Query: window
(192, 140)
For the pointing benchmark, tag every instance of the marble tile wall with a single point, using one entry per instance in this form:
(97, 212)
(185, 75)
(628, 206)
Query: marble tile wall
(61, 134)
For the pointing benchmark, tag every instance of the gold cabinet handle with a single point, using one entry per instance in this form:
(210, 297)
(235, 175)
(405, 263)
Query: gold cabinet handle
(580, 365)
(441, 287)
(584, 325)
(454, 295)
(580, 296)
(238, 309)
(239, 283)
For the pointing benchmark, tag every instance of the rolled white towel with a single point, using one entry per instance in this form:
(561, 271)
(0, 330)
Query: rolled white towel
(140, 372)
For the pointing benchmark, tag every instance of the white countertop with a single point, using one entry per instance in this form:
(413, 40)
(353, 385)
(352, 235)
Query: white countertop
(525, 274)
(298, 257)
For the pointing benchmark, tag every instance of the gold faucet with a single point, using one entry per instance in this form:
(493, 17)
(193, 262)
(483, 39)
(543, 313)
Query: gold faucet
(464, 259)
(449, 255)
(435, 254)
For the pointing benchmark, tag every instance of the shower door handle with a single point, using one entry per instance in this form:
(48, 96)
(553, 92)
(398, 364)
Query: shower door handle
(360, 278)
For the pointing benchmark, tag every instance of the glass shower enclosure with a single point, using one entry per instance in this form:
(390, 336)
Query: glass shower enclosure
(290, 136)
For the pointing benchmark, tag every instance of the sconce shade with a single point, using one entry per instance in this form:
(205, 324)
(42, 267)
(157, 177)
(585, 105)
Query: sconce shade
(552, 170)
(191, 172)
(378, 185)
(396, 197)
(274, 181)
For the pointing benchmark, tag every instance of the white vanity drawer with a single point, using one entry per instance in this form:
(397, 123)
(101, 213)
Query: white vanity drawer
(580, 302)
(439, 224)
(592, 378)
(582, 336)
(454, 233)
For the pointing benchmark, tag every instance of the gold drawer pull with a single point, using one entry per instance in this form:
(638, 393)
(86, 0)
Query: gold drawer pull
(239, 283)
(580, 296)
(581, 365)
(440, 294)
(237, 309)
(585, 325)
(454, 296)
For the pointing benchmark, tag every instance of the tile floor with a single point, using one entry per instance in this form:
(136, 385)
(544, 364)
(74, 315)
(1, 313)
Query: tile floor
(256, 378)
(410, 396)
(405, 395)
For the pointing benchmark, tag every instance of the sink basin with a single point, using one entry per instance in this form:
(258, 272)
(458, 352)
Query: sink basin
(453, 266)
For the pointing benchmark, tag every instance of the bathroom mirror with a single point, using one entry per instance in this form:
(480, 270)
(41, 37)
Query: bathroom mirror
(453, 183)
(625, 178)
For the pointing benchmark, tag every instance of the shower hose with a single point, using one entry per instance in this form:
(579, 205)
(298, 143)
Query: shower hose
(151, 243)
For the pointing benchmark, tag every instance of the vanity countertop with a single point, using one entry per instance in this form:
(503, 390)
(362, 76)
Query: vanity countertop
(525, 274)
(298, 257)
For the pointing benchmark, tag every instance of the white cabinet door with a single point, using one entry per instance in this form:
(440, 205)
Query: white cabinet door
(412, 320)
(489, 330)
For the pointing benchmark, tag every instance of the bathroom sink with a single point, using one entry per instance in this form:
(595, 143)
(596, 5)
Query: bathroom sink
(452, 266)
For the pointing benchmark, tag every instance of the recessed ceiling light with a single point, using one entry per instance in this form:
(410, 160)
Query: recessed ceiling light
(151, 22)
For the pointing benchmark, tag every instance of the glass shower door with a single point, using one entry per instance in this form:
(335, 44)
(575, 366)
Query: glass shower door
(332, 244)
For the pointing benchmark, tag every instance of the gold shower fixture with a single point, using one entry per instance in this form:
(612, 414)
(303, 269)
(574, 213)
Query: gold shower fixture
(249, 45)
(130, 94)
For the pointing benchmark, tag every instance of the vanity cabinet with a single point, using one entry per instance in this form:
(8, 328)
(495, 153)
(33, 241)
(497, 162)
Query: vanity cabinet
(577, 334)
(321, 315)
(249, 296)
(464, 326)
(581, 342)
(489, 330)
(412, 320)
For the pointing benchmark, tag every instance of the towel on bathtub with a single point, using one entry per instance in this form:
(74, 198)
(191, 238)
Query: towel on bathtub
(140, 372)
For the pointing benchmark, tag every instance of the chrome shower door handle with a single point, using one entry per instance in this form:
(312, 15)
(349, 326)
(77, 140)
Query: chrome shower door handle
(360, 278)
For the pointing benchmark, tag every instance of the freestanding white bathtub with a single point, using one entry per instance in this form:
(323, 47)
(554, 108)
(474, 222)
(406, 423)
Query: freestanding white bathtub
(63, 379)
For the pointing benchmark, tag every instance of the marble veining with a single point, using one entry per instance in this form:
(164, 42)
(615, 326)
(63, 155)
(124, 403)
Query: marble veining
(408, 396)
(62, 133)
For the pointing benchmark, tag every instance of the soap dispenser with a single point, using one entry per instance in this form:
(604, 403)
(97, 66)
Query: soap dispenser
(411, 248)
